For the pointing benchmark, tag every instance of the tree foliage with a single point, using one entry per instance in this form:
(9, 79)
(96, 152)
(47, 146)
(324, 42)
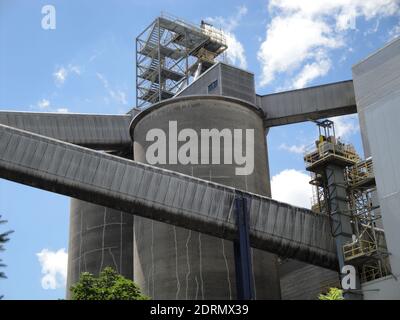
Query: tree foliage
(333, 294)
(3, 239)
(109, 285)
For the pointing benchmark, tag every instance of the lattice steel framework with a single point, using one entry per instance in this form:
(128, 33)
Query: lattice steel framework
(327, 161)
(368, 249)
(169, 52)
(344, 188)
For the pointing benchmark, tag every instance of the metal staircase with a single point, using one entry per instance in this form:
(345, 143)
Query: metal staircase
(168, 52)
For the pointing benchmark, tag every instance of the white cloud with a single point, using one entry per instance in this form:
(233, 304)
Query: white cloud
(292, 186)
(43, 104)
(346, 126)
(75, 69)
(61, 73)
(394, 32)
(302, 34)
(117, 95)
(54, 268)
(297, 149)
(373, 29)
(235, 52)
(46, 106)
(62, 110)
(311, 71)
(95, 54)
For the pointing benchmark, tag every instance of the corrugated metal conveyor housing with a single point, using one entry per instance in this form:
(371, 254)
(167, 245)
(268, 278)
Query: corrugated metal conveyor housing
(329, 100)
(162, 195)
(101, 132)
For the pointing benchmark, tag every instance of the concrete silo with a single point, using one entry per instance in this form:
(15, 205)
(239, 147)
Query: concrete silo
(175, 263)
(99, 237)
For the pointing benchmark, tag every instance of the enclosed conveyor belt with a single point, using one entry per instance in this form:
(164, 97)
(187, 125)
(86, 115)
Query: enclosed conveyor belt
(329, 100)
(163, 195)
(101, 132)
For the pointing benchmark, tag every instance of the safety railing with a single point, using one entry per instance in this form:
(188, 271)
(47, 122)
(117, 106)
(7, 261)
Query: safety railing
(360, 172)
(208, 30)
(358, 249)
(323, 149)
(371, 272)
(214, 34)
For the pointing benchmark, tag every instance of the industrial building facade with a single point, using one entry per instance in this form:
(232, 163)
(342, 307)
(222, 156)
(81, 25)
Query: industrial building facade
(171, 227)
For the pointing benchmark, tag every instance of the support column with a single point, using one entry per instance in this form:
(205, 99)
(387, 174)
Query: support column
(243, 268)
(340, 219)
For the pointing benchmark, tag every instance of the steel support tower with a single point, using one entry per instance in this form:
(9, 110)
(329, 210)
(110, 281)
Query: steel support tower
(169, 52)
(368, 249)
(327, 161)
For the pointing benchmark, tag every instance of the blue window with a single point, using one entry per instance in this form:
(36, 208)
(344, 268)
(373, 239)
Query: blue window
(212, 86)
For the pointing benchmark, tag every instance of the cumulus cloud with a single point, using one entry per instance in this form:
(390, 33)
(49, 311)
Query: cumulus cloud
(117, 95)
(235, 53)
(302, 34)
(61, 73)
(292, 186)
(54, 268)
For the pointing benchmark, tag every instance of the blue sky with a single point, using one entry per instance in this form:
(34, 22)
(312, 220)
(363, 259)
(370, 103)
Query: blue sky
(87, 65)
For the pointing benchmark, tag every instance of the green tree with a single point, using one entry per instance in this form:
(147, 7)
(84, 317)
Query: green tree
(3, 239)
(109, 285)
(333, 294)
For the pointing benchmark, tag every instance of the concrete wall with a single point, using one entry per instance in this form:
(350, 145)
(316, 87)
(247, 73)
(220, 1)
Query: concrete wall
(303, 281)
(99, 237)
(387, 288)
(298, 280)
(232, 82)
(175, 263)
(377, 89)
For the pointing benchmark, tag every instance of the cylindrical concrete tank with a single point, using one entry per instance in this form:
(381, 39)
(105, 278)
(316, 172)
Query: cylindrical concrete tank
(99, 237)
(303, 281)
(175, 263)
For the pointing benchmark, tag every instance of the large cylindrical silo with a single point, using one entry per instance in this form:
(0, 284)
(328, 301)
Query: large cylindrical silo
(99, 237)
(175, 263)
